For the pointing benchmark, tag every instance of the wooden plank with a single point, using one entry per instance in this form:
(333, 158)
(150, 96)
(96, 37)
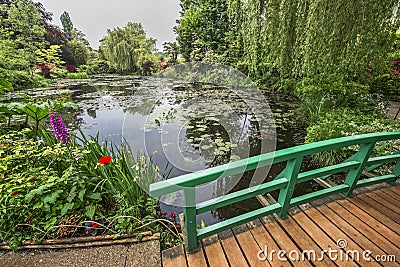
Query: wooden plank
(322, 239)
(232, 249)
(248, 245)
(351, 232)
(304, 241)
(266, 242)
(363, 227)
(196, 258)
(174, 257)
(214, 252)
(384, 202)
(336, 234)
(282, 239)
(372, 222)
(389, 197)
(376, 214)
(395, 189)
(382, 209)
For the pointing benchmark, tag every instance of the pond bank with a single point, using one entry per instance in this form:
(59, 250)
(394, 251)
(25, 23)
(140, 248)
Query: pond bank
(139, 254)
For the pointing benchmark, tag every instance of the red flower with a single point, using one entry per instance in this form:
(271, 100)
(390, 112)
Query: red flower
(29, 219)
(15, 193)
(172, 214)
(176, 225)
(105, 160)
(32, 180)
(94, 225)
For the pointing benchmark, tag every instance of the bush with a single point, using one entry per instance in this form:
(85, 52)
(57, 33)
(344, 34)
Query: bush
(346, 122)
(92, 69)
(45, 184)
(388, 85)
(77, 75)
(18, 78)
(318, 99)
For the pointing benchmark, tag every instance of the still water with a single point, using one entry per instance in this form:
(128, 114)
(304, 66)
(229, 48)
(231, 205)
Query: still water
(184, 127)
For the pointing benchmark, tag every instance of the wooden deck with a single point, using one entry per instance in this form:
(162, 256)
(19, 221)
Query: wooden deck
(367, 221)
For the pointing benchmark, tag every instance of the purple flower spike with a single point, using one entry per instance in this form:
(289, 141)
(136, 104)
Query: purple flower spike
(59, 128)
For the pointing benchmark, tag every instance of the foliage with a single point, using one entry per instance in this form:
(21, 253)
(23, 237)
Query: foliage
(43, 183)
(67, 24)
(21, 34)
(202, 27)
(77, 75)
(319, 98)
(171, 49)
(294, 39)
(127, 48)
(92, 69)
(49, 60)
(346, 122)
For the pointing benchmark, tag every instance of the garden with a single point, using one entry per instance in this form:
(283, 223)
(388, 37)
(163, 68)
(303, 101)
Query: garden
(70, 166)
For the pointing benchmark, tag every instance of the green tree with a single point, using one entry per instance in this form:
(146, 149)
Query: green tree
(23, 25)
(172, 50)
(79, 52)
(21, 34)
(67, 24)
(126, 49)
(203, 28)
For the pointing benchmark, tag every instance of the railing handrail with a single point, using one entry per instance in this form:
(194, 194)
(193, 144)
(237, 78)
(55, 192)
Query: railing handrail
(208, 175)
(285, 181)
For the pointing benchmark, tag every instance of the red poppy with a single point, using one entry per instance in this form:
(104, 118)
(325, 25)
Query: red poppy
(105, 160)
(15, 193)
(32, 180)
(29, 219)
(94, 225)
(176, 225)
(172, 214)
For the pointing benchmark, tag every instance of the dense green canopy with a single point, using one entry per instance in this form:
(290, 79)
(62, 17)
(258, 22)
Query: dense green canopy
(127, 48)
(295, 38)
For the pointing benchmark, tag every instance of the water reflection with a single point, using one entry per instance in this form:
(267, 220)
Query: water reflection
(182, 135)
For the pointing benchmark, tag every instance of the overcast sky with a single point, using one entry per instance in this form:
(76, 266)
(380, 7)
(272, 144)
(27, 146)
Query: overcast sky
(94, 17)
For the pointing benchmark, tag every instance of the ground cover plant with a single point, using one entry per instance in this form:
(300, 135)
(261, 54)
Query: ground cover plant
(62, 186)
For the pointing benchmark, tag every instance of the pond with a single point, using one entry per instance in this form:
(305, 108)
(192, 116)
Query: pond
(181, 127)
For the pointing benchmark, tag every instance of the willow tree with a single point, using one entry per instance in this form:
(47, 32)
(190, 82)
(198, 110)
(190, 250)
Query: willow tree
(309, 37)
(127, 48)
(297, 38)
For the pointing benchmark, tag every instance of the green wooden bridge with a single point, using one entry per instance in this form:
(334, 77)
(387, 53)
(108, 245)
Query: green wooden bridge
(285, 182)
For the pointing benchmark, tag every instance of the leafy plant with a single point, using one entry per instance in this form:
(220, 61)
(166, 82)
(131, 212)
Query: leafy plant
(77, 75)
(346, 122)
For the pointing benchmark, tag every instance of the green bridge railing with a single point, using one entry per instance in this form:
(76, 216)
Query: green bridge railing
(285, 182)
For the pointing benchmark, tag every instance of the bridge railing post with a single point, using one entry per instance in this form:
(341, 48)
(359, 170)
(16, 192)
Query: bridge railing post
(190, 218)
(396, 172)
(361, 156)
(285, 195)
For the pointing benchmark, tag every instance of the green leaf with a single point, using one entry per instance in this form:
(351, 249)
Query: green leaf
(96, 196)
(66, 208)
(90, 210)
(81, 194)
(53, 197)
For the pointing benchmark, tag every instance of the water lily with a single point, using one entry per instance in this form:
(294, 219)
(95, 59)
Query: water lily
(105, 160)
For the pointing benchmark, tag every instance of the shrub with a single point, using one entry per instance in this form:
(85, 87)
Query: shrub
(77, 75)
(320, 98)
(346, 122)
(45, 182)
